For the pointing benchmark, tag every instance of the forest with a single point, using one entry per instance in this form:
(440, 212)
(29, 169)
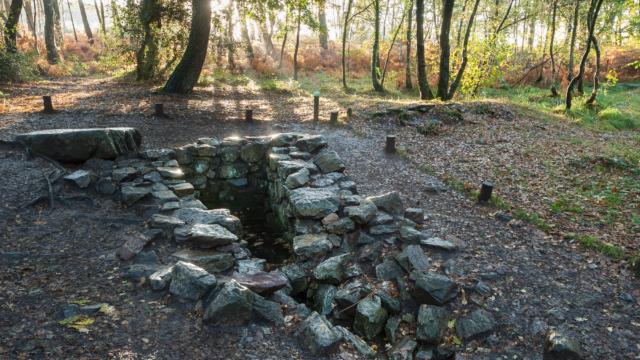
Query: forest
(202, 179)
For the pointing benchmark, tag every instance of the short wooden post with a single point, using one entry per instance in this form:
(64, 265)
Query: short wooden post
(248, 115)
(390, 145)
(333, 119)
(159, 110)
(485, 191)
(48, 104)
(316, 108)
(349, 113)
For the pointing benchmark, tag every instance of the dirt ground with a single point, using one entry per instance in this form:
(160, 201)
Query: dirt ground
(53, 257)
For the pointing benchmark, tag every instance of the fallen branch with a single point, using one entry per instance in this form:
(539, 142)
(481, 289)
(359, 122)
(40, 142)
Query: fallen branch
(542, 63)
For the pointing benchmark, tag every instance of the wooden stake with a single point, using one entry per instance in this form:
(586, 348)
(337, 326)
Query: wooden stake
(349, 113)
(333, 119)
(248, 115)
(316, 108)
(48, 104)
(390, 145)
(159, 110)
(485, 191)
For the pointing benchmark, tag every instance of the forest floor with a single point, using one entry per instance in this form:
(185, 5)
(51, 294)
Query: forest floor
(558, 187)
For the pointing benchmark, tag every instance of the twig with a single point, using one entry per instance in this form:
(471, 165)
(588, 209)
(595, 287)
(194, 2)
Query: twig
(50, 188)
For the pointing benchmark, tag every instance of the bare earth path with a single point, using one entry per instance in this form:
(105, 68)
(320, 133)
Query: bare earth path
(537, 282)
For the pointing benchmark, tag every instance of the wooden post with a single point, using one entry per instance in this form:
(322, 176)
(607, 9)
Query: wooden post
(333, 119)
(248, 115)
(48, 104)
(316, 108)
(485, 191)
(349, 113)
(390, 145)
(159, 110)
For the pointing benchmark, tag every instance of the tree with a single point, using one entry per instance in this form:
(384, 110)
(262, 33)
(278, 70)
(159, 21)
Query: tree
(53, 57)
(345, 32)
(445, 49)
(322, 20)
(574, 32)
(73, 24)
(147, 60)
(375, 50)
(408, 84)
(85, 22)
(465, 43)
(11, 26)
(423, 84)
(186, 74)
(295, 52)
(554, 91)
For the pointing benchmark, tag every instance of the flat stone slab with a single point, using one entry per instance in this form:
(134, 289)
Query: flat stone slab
(77, 145)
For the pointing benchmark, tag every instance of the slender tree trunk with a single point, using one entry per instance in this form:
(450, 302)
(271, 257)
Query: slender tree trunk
(445, 49)
(574, 32)
(186, 74)
(284, 39)
(375, 51)
(57, 24)
(53, 57)
(147, 56)
(100, 20)
(345, 32)
(29, 12)
(393, 41)
(423, 84)
(464, 7)
(408, 83)
(229, 38)
(596, 72)
(463, 64)
(295, 51)
(104, 20)
(73, 25)
(244, 29)
(322, 22)
(11, 26)
(85, 22)
(35, 25)
(266, 39)
(554, 91)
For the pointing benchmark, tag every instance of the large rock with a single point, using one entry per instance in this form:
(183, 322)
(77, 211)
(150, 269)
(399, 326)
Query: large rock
(432, 322)
(82, 178)
(403, 350)
(314, 202)
(389, 202)
(332, 269)
(362, 213)
(189, 281)
(318, 335)
(76, 145)
(558, 346)
(262, 282)
(232, 305)
(206, 235)
(360, 345)
(211, 261)
(433, 288)
(328, 161)
(370, 317)
(297, 277)
(311, 245)
(215, 216)
(413, 258)
(323, 298)
(475, 325)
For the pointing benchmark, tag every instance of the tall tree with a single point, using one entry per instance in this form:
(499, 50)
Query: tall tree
(248, 48)
(445, 49)
(375, 50)
(345, 33)
(85, 22)
(73, 25)
(574, 32)
(297, 46)
(53, 57)
(554, 91)
(28, 11)
(322, 21)
(147, 60)
(11, 26)
(423, 84)
(408, 83)
(57, 24)
(186, 74)
(229, 36)
(465, 43)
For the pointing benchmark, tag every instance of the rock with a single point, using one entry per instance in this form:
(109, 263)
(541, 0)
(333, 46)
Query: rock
(477, 324)
(164, 196)
(134, 243)
(370, 317)
(165, 222)
(136, 272)
(288, 167)
(329, 161)
(318, 335)
(330, 219)
(251, 266)
(390, 329)
(262, 283)
(559, 346)
(153, 176)
(323, 298)
(364, 239)
(328, 179)
(171, 172)
(482, 288)
(82, 178)
(627, 297)
(132, 194)
(223, 217)
(314, 202)
(332, 269)
(311, 143)
(267, 310)
(106, 187)
(409, 235)
(413, 258)
(432, 322)
(161, 278)
(389, 202)
(297, 179)
(99, 165)
(371, 252)
(207, 235)
(360, 345)
(349, 294)
(439, 243)
(189, 281)
(297, 277)
(182, 189)
(381, 218)
(78, 145)
(363, 213)
(124, 174)
(433, 288)
(253, 152)
(403, 350)
(341, 226)
(415, 214)
(232, 305)
(157, 154)
(388, 270)
(311, 245)
(383, 229)
(390, 303)
(211, 261)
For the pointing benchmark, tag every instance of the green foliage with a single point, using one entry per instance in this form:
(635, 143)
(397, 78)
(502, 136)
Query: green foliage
(17, 67)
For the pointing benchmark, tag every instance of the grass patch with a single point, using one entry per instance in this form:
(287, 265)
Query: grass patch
(593, 243)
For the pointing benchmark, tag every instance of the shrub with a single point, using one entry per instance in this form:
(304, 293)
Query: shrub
(17, 67)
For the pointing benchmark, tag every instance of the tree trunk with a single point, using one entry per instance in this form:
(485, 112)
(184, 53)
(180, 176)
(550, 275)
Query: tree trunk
(295, 51)
(445, 49)
(85, 22)
(266, 39)
(322, 22)
(229, 38)
(408, 83)
(100, 20)
(375, 51)
(147, 55)
(574, 32)
(29, 12)
(186, 74)
(284, 39)
(554, 91)
(57, 24)
(393, 41)
(53, 57)
(73, 25)
(11, 26)
(464, 7)
(596, 72)
(345, 32)
(594, 9)
(248, 48)
(463, 64)
(104, 20)
(423, 84)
